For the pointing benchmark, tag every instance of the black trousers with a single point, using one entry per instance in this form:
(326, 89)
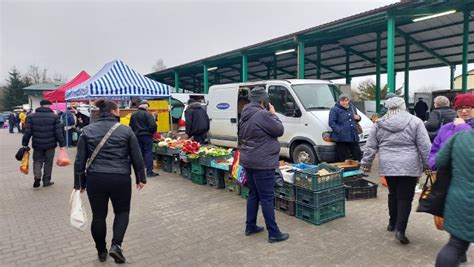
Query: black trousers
(43, 164)
(344, 150)
(453, 253)
(100, 188)
(401, 191)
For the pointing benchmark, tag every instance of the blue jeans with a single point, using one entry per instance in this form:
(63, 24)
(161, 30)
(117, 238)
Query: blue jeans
(261, 185)
(452, 253)
(146, 146)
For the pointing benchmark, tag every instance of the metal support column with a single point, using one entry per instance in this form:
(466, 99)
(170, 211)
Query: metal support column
(465, 50)
(244, 68)
(391, 54)
(348, 63)
(377, 75)
(451, 80)
(205, 78)
(275, 74)
(407, 71)
(318, 62)
(300, 59)
(176, 82)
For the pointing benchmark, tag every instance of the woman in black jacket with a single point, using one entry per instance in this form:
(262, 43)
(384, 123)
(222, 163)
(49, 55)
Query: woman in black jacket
(108, 175)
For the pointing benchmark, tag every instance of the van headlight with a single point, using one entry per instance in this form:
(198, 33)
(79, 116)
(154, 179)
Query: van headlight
(327, 136)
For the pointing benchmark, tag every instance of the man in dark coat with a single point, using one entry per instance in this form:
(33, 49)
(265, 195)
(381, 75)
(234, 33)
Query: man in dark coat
(47, 131)
(421, 108)
(197, 121)
(342, 121)
(259, 154)
(144, 126)
(11, 122)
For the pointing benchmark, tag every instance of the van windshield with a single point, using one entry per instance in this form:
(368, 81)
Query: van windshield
(317, 96)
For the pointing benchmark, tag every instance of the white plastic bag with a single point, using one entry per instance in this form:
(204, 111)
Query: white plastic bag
(78, 212)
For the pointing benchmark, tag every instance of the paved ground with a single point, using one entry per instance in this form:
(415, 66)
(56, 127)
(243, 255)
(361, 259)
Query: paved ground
(177, 223)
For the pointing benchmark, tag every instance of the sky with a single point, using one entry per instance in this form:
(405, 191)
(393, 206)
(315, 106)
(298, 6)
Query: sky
(69, 36)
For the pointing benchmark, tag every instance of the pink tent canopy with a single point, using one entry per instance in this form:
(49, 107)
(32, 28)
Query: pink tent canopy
(58, 94)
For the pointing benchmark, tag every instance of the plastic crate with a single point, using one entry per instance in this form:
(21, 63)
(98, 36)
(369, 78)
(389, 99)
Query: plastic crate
(167, 163)
(176, 166)
(186, 170)
(322, 214)
(198, 179)
(309, 179)
(231, 185)
(197, 168)
(319, 198)
(284, 205)
(360, 189)
(206, 161)
(160, 150)
(244, 192)
(287, 191)
(215, 178)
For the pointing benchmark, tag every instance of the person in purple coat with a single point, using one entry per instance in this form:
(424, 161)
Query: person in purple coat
(464, 106)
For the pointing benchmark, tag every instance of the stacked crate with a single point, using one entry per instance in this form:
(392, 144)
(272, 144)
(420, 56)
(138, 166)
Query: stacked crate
(167, 163)
(198, 173)
(319, 198)
(186, 170)
(215, 177)
(285, 197)
(231, 184)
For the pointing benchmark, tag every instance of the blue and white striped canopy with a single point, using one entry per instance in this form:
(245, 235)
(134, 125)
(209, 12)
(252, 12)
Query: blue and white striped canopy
(116, 80)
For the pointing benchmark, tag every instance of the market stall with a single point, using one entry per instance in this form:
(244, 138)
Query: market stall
(57, 96)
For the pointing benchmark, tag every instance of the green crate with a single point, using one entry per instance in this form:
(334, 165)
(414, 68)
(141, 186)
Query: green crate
(310, 180)
(197, 168)
(244, 192)
(198, 179)
(321, 214)
(287, 191)
(231, 185)
(319, 198)
(207, 160)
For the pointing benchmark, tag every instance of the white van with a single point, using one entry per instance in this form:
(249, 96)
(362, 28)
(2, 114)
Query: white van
(302, 105)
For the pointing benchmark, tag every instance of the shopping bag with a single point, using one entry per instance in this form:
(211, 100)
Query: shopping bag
(78, 212)
(238, 171)
(63, 158)
(25, 163)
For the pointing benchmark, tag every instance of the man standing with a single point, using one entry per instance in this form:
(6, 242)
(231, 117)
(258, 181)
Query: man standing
(46, 129)
(69, 121)
(144, 126)
(11, 121)
(197, 121)
(421, 108)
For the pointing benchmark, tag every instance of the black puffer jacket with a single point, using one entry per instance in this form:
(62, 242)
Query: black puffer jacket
(438, 118)
(116, 156)
(45, 128)
(258, 134)
(143, 123)
(197, 120)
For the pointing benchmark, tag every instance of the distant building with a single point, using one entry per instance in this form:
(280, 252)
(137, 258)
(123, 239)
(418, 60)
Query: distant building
(35, 93)
(470, 81)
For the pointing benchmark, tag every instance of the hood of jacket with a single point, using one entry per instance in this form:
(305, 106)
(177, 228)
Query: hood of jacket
(395, 123)
(249, 110)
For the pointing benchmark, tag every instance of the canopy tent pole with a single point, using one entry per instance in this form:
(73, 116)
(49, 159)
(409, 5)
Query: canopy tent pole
(169, 113)
(65, 127)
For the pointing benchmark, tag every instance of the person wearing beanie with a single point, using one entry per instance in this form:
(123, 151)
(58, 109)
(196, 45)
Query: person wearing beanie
(441, 115)
(259, 130)
(197, 121)
(144, 126)
(403, 146)
(46, 130)
(464, 106)
(343, 121)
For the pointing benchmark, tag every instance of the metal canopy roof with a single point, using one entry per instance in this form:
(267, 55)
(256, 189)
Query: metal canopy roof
(433, 43)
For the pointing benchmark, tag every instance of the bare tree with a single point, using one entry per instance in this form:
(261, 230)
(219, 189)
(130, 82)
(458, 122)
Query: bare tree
(58, 78)
(159, 65)
(36, 74)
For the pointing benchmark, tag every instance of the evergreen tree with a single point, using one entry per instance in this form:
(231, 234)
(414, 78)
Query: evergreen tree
(13, 94)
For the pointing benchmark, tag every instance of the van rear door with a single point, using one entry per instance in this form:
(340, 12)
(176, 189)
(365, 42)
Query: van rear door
(222, 111)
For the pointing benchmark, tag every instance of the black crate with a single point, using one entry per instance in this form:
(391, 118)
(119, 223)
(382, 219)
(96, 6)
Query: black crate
(176, 165)
(167, 163)
(311, 180)
(215, 178)
(284, 205)
(322, 214)
(287, 191)
(360, 189)
(231, 185)
(319, 198)
(186, 170)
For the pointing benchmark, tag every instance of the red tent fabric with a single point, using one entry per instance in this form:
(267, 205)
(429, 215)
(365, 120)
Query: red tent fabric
(58, 94)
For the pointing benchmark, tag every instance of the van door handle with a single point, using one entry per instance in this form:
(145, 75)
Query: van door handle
(233, 120)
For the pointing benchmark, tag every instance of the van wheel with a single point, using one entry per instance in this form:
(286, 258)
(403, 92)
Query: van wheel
(304, 153)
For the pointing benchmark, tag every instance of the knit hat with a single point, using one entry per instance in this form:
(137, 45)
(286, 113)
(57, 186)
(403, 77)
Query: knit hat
(343, 96)
(258, 94)
(464, 100)
(144, 102)
(395, 103)
(45, 102)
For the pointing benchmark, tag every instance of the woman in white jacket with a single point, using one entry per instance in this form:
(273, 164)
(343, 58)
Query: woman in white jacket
(403, 145)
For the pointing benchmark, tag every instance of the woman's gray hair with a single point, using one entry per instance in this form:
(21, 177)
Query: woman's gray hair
(441, 101)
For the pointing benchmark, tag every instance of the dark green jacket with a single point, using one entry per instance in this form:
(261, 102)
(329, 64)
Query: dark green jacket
(459, 206)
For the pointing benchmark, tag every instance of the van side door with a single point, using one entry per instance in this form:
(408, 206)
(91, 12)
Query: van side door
(222, 111)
